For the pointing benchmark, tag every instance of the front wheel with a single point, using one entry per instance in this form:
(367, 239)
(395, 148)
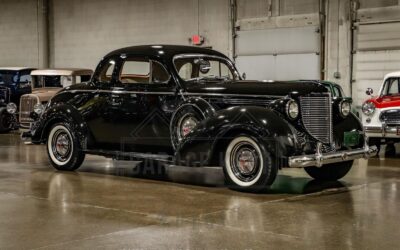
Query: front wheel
(331, 172)
(63, 148)
(248, 166)
(5, 121)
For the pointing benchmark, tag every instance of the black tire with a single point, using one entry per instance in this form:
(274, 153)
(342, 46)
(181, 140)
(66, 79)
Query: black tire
(177, 122)
(256, 177)
(376, 142)
(63, 148)
(5, 121)
(390, 150)
(331, 172)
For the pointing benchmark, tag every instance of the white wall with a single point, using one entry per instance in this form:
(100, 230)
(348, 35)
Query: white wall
(85, 30)
(18, 33)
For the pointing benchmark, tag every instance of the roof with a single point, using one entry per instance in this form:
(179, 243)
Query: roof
(393, 74)
(15, 68)
(62, 72)
(164, 51)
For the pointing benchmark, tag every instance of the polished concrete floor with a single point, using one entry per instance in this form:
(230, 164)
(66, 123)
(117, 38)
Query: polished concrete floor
(105, 205)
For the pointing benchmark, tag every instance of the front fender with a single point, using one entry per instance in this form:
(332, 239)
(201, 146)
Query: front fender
(59, 113)
(211, 135)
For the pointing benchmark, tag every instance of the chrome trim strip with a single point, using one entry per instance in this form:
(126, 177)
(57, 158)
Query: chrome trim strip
(233, 95)
(173, 93)
(121, 92)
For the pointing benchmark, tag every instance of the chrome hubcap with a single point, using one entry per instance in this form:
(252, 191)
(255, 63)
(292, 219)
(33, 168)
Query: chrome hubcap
(61, 145)
(245, 162)
(187, 124)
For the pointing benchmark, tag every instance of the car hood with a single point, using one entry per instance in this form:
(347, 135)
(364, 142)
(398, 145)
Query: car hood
(45, 94)
(386, 101)
(255, 88)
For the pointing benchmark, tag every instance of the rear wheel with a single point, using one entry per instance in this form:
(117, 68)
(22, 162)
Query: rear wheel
(63, 148)
(331, 172)
(248, 166)
(5, 121)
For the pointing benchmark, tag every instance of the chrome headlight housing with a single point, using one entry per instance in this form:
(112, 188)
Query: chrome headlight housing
(12, 108)
(38, 108)
(292, 109)
(345, 108)
(368, 108)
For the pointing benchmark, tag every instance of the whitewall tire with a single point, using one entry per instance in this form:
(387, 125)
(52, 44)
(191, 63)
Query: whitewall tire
(63, 148)
(248, 166)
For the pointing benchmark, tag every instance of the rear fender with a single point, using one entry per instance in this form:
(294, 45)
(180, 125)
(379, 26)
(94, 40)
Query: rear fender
(211, 135)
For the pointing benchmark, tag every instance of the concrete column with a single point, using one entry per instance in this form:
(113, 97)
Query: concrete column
(43, 33)
(338, 43)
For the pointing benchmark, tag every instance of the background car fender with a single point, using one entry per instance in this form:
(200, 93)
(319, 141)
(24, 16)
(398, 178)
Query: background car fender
(203, 146)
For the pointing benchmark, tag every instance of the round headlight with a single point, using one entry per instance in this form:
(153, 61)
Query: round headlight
(345, 108)
(368, 108)
(292, 109)
(38, 109)
(12, 108)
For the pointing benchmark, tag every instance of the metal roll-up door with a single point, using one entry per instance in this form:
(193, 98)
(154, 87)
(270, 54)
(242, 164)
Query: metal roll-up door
(279, 53)
(377, 47)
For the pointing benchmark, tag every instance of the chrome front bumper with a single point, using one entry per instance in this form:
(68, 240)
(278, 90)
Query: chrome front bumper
(320, 159)
(384, 131)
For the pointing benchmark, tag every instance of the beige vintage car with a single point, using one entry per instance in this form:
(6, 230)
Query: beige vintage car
(45, 84)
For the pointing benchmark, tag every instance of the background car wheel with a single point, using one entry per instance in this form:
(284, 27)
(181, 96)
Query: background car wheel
(183, 123)
(331, 172)
(248, 166)
(63, 148)
(5, 121)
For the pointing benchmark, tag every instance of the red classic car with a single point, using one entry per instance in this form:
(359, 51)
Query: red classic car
(381, 113)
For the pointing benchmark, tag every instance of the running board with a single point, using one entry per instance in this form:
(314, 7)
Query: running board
(131, 155)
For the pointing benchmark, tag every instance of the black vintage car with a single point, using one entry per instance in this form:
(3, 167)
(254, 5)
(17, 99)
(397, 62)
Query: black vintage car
(14, 83)
(188, 106)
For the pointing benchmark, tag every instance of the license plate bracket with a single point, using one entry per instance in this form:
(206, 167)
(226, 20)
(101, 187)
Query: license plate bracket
(351, 139)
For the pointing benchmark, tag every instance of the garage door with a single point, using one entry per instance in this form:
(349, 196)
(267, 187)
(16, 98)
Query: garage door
(377, 54)
(279, 54)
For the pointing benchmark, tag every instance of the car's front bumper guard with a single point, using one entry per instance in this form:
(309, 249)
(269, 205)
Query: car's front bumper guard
(384, 130)
(320, 159)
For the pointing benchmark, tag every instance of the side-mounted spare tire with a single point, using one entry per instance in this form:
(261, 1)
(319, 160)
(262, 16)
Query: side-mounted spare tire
(183, 123)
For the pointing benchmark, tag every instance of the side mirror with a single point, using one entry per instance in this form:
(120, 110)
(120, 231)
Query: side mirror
(369, 91)
(244, 76)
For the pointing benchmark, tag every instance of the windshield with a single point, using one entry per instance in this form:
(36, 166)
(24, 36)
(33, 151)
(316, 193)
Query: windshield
(197, 68)
(391, 87)
(52, 81)
(8, 77)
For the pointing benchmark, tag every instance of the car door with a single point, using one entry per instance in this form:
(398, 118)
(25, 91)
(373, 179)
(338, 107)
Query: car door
(99, 110)
(146, 101)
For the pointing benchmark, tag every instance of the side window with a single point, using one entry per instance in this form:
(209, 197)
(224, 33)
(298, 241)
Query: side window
(158, 73)
(25, 81)
(135, 70)
(106, 73)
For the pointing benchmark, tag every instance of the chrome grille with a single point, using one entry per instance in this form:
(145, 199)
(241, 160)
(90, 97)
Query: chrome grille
(26, 107)
(391, 117)
(316, 112)
(4, 95)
